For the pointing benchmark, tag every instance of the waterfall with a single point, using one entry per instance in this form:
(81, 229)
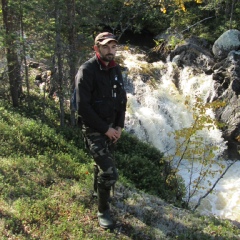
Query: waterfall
(160, 96)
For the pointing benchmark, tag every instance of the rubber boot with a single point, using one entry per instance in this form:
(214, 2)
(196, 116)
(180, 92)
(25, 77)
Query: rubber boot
(104, 218)
(95, 179)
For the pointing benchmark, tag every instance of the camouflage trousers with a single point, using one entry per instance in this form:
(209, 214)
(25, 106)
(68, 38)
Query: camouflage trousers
(100, 148)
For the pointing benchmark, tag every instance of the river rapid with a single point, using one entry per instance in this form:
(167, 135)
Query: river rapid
(160, 100)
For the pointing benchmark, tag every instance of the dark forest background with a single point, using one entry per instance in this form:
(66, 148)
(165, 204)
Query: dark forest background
(60, 33)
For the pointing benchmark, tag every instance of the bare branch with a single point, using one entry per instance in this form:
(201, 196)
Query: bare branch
(214, 185)
(187, 29)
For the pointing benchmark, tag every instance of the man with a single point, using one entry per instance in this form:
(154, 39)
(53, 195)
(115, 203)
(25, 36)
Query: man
(101, 105)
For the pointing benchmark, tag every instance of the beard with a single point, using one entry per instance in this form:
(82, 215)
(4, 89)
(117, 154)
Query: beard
(107, 57)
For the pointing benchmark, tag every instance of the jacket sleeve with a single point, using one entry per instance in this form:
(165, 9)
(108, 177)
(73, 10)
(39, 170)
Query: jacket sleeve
(84, 80)
(120, 118)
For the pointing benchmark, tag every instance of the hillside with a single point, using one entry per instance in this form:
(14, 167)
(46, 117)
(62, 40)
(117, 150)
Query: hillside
(46, 185)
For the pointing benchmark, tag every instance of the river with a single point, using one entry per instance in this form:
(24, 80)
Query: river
(160, 101)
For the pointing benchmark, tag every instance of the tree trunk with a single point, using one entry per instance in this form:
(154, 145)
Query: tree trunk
(72, 52)
(10, 24)
(59, 56)
(24, 54)
(231, 15)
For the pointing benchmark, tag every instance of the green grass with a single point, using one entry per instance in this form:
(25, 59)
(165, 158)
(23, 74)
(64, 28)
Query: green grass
(46, 185)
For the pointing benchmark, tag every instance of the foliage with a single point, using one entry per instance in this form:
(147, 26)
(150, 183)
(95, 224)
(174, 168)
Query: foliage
(50, 140)
(66, 29)
(48, 137)
(142, 165)
(191, 144)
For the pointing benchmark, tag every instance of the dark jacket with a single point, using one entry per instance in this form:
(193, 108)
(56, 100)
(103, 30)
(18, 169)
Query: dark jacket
(101, 95)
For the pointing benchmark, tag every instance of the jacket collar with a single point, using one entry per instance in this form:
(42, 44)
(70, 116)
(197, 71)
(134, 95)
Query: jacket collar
(103, 66)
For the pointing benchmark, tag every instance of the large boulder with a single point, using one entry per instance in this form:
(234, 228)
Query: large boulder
(228, 41)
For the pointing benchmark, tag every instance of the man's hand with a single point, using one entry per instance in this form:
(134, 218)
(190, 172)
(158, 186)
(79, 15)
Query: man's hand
(114, 134)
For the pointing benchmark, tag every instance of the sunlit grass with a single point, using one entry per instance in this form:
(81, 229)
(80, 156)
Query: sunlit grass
(46, 186)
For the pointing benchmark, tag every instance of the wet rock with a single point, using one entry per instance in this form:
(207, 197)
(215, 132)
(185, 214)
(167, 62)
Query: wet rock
(225, 70)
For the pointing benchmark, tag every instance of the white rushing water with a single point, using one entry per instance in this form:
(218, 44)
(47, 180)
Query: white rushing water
(157, 108)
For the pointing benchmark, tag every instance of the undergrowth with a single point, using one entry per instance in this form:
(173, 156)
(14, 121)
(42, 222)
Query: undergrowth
(46, 182)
